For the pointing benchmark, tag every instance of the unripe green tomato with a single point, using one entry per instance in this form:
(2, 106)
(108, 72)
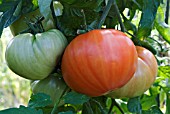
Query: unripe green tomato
(143, 78)
(20, 25)
(53, 86)
(35, 56)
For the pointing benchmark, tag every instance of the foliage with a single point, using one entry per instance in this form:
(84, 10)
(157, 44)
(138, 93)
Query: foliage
(142, 20)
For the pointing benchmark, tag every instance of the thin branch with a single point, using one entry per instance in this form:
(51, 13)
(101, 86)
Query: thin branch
(117, 105)
(100, 106)
(84, 19)
(55, 108)
(105, 13)
(118, 15)
(111, 107)
(167, 12)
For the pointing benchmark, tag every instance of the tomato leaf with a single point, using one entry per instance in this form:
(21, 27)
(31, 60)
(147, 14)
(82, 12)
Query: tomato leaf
(21, 110)
(7, 14)
(160, 24)
(58, 8)
(11, 10)
(44, 6)
(68, 112)
(153, 110)
(145, 104)
(39, 100)
(168, 103)
(134, 105)
(72, 18)
(87, 109)
(149, 11)
(164, 71)
(75, 98)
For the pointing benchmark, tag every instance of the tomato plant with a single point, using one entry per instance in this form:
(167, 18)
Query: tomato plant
(35, 56)
(97, 59)
(143, 78)
(53, 86)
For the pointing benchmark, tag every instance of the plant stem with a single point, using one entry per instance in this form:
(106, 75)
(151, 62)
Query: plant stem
(84, 19)
(117, 105)
(111, 107)
(118, 15)
(105, 13)
(53, 14)
(100, 106)
(55, 109)
(167, 12)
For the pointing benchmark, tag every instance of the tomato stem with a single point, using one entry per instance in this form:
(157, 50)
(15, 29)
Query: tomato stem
(123, 29)
(114, 103)
(55, 109)
(35, 26)
(105, 13)
(99, 105)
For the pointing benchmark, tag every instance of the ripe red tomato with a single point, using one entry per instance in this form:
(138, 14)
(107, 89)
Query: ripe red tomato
(143, 78)
(99, 61)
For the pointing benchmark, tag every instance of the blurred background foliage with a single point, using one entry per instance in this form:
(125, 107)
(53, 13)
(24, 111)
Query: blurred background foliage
(14, 90)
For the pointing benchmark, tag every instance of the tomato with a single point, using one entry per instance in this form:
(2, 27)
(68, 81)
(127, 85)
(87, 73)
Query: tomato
(143, 78)
(20, 24)
(35, 56)
(53, 86)
(99, 61)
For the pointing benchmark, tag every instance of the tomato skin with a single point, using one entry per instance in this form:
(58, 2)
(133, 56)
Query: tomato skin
(143, 78)
(52, 86)
(35, 56)
(95, 59)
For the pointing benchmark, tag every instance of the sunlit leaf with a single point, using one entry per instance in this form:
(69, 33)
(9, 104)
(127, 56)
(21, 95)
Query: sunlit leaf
(160, 24)
(44, 6)
(164, 71)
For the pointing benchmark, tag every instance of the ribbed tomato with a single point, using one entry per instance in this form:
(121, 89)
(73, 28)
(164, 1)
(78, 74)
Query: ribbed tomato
(99, 61)
(143, 78)
(35, 56)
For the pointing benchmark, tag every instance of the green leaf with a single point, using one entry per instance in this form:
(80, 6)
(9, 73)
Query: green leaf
(72, 18)
(68, 112)
(160, 24)
(153, 110)
(44, 6)
(149, 11)
(21, 110)
(39, 100)
(87, 109)
(75, 98)
(147, 105)
(168, 103)
(134, 105)
(164, 71)
(58, 8)
(12, 10)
